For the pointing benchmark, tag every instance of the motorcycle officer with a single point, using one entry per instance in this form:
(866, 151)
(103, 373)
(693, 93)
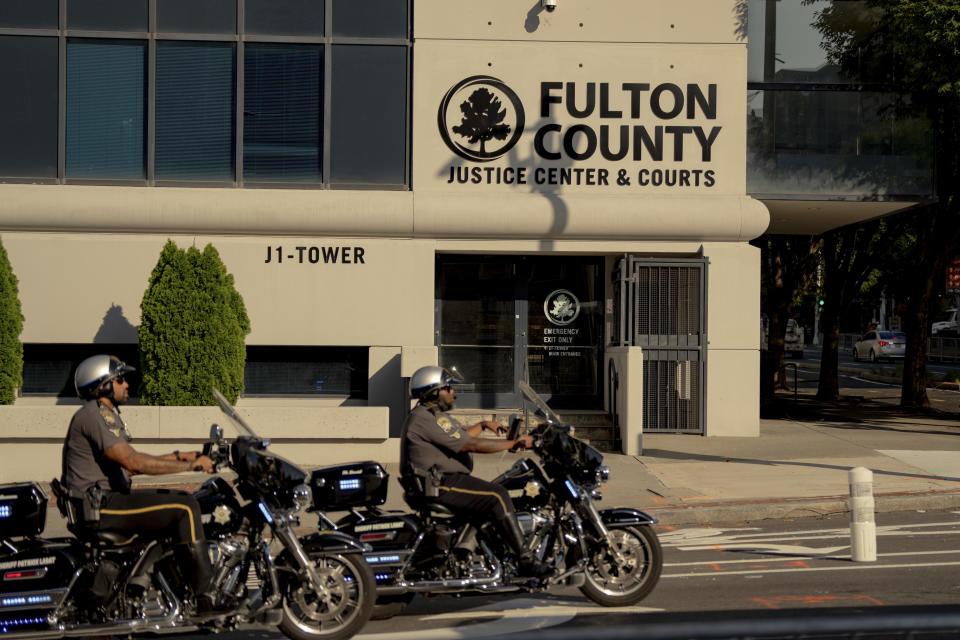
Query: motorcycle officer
(431, 440)
(98, 462)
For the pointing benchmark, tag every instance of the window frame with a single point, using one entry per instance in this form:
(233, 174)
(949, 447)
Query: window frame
(152, 36)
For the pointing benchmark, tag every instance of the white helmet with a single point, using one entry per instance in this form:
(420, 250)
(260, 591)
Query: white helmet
(93, 372)
(427, 381)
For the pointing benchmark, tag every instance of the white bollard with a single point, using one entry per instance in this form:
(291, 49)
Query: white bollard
(863, 529)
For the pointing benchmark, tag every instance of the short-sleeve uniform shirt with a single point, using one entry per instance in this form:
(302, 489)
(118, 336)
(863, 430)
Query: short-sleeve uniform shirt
(94, 429)
(434, 439)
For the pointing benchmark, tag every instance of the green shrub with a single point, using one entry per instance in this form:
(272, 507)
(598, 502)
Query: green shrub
(11, 326)
(193, 325)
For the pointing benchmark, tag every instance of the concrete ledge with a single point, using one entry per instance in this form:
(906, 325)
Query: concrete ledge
(32, 437)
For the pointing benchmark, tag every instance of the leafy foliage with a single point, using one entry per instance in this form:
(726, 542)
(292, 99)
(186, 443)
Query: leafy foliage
(482, 118)
(911, 47)
(192, 332)
(11, 325)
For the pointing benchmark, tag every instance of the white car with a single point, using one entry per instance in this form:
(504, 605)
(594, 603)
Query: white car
(874, 345)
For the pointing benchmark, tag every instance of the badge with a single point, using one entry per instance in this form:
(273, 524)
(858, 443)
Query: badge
(108, 416)
(455, 435)
(445, 423)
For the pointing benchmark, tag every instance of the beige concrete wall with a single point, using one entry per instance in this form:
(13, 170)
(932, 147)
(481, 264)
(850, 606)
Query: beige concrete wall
(677, 21)
(309, 436)
(629, 364)
(733, 374)
(370, 300)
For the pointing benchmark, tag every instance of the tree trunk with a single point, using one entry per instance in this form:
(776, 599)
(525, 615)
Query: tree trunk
(828, 388)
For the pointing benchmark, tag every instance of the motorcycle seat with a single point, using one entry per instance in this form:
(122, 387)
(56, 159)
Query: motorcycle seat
(427, 506)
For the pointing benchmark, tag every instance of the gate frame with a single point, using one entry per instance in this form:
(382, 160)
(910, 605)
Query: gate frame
(625, 299)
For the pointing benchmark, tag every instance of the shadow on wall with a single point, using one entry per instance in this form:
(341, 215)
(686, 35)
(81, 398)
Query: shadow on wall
(533, 17)
(740, 12)
(115, 328)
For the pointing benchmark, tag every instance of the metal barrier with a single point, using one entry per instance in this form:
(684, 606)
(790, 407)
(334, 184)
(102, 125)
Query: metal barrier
(867, 625)
(943, 349)
(795, 378)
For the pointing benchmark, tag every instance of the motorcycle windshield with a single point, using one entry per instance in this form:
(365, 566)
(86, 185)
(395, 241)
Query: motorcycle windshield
(228, 409)
(534, 398)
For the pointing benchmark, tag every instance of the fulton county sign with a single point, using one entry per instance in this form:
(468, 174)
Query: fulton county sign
(599, 134)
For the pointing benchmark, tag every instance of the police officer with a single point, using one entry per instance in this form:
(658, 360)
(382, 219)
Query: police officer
(430, 439)
(98, 461)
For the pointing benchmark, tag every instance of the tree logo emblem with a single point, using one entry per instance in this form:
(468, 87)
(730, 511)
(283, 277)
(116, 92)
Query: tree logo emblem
(561, 307)
(488, 123)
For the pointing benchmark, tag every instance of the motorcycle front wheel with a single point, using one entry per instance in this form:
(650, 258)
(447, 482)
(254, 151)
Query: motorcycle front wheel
(613, 582)
(342, 606)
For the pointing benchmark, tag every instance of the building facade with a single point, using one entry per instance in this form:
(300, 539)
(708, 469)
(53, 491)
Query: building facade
(552, 196)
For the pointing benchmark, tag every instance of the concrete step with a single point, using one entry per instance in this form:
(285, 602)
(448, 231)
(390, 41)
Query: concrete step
(594, 427)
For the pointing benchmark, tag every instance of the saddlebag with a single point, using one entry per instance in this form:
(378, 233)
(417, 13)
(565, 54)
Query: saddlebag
(23, 510)
(350, 485)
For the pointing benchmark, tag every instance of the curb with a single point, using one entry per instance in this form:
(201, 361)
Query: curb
(785, 508)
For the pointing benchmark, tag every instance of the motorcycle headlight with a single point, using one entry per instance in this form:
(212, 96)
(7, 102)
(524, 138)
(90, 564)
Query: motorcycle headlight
(603, 473)
(302, 496)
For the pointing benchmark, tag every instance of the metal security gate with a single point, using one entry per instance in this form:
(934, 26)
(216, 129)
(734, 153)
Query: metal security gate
(661, 307)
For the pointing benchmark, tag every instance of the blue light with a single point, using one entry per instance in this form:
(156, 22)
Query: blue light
(349, 484)
(38, 599)
(18, 622)
(13, 602)
(265, 512)
(389, 558)
(381, 577)
(572, 489)
(6, 510)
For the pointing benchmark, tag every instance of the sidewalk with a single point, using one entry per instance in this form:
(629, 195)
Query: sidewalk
(797, 467)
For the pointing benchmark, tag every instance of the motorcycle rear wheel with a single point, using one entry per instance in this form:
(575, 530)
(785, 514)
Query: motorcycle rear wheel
(339, 613)
(613, 584)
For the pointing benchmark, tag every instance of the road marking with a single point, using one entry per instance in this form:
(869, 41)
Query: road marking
(714, 563)
(725, 536)
(771, 603)
(509, 616)
(851, 567)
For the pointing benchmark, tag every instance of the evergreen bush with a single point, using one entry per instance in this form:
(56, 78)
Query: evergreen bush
(11, 326)
(192, 331)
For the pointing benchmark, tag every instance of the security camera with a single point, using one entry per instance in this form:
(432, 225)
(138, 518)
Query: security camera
(549, 5)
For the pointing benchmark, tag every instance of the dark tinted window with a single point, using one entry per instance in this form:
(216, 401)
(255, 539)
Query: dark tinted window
(197, 16)
(127, 15)
(370, 18)
(281, 112)
(284, 17)
(312, 371)
(48, 368)
(105, 109)
(369, 118)
(28, 111)
(30, 14)
(195, 111)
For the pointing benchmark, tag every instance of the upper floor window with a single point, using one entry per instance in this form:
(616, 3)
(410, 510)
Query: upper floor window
(207, 92)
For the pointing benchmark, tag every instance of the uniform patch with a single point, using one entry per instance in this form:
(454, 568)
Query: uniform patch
(445, 423)
(455, 435)
(108, 416)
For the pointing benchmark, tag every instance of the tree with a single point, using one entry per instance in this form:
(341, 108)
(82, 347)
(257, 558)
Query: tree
(787, 265)
(912, 47)
(850, 257)
(482, 115)
(193, 325)
(11, 326)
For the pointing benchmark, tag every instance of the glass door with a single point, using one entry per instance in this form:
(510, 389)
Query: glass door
(502, 319)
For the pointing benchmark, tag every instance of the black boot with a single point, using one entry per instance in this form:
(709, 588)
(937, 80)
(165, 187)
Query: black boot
(527, 564)
(194, 561)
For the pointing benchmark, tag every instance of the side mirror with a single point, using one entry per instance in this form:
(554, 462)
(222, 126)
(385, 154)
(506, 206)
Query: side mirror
(216, 433)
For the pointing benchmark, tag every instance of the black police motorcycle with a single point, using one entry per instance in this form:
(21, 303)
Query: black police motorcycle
(612, 555)
(103, 583)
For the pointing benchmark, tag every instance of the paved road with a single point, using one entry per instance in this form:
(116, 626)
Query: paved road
(772, 567)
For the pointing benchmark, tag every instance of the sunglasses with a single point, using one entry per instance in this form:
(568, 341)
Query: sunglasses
(120, 379)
